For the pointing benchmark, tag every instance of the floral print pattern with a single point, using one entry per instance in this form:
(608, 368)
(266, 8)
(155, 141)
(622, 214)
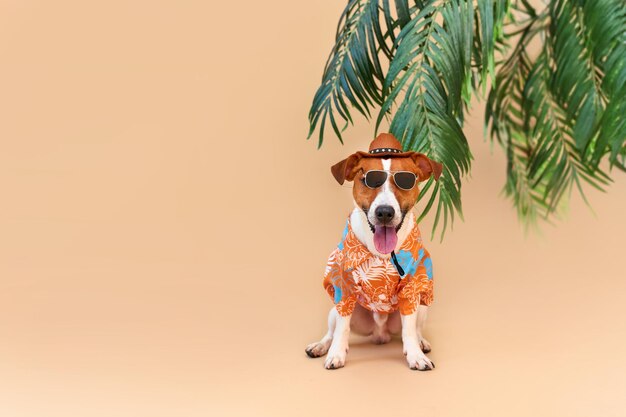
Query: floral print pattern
(353, 274)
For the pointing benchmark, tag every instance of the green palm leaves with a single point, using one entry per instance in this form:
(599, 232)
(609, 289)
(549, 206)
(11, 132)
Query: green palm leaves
(557, 113)
(428, 76)
(353, 73)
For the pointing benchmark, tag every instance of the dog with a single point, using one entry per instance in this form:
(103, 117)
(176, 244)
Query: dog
(380, 275)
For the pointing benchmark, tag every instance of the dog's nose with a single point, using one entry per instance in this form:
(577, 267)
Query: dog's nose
(384, 214)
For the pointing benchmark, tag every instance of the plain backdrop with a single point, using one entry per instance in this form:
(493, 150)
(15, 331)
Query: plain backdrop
(164, 227)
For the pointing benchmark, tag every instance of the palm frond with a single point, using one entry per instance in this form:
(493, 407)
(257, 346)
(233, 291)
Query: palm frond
(555, 161)
(557, 114)
(575, 82)
(508, 125)
(488, 30)
(551, 126)
(428, 75)
(353, 74)
(605, 21)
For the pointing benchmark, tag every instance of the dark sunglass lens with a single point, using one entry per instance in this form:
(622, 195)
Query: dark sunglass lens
(404, 180)
(375, 179)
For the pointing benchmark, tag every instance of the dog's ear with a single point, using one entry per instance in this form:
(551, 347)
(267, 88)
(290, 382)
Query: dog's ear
(427, 166)
(345, 170)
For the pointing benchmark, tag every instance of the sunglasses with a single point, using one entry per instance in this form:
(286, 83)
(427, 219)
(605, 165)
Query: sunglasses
(405, 180)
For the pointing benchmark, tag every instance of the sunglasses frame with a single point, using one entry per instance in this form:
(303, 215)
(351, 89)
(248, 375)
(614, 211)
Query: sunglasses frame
(393, 175)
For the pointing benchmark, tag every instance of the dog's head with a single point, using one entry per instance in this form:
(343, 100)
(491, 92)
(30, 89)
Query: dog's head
(386, 188)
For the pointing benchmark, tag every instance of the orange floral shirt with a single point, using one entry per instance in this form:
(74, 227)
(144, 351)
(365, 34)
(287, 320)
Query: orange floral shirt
(354, 274)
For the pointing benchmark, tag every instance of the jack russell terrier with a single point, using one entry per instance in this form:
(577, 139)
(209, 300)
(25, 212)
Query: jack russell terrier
(380, 276)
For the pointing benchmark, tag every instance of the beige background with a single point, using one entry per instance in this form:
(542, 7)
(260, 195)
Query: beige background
(164, 227)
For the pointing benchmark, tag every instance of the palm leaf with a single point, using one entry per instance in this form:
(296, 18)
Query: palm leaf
(574, 82)
(488, 31)
(353, 74)
(605, 23)
(555, 162)
(557, 114)
(431, 67)
(508, 126)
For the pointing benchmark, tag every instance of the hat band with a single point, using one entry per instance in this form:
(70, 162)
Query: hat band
(385, 150)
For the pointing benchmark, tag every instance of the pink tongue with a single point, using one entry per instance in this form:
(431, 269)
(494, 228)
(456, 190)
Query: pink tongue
(385, 239)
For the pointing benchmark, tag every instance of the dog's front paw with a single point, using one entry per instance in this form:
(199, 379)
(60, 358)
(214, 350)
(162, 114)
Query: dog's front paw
(335, 360)
(418, 361)
(424, 345)
(317, 349)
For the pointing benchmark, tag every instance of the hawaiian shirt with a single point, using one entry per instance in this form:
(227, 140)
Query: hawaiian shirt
(354, 274)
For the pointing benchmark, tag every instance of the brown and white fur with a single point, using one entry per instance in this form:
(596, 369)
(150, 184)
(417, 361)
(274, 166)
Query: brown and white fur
(379, 326)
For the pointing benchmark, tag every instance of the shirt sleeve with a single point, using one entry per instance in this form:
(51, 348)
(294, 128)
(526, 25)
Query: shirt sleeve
(419, 288)
(345, 307)
(337, 285)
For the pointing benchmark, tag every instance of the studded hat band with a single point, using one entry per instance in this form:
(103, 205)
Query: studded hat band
(385, 150)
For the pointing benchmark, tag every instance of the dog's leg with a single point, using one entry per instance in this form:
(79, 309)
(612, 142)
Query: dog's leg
(339, 346)
(411, 345)
(421, 323)
(381, 333)
(317, 349)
